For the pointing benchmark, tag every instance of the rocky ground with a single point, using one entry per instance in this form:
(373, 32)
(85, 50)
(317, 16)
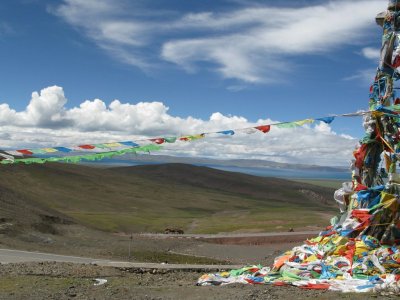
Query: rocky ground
(51, 280)
(73, 281)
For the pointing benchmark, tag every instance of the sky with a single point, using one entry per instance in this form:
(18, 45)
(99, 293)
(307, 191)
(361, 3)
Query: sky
(82, 71)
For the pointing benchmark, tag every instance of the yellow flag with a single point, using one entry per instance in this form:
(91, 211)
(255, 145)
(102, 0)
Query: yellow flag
(112, 145)
(302, 122)
(387, 200)
(49, 150)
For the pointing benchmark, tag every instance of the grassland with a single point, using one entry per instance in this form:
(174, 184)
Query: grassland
(152, 198)
(329, 183)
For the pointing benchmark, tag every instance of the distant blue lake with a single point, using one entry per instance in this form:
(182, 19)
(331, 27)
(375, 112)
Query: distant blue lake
(288, 173)
(263, 172)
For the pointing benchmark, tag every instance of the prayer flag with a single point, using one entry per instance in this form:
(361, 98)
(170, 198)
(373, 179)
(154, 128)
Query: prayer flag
(264, 128)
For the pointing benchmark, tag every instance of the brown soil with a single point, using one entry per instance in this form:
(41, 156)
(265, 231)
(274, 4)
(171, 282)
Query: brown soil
(70, 281)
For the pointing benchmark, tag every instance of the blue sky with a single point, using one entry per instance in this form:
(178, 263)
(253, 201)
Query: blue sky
(259, 60)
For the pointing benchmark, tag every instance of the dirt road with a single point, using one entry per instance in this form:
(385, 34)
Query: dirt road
(16, 256)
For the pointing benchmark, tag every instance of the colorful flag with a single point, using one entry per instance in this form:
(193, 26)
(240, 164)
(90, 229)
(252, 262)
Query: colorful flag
(128, 143)
(327, 120)
(264, 128)
(158, 141)
(171, 139)
(87, 147)
(25, 152)
(63, 149)
(227, 132)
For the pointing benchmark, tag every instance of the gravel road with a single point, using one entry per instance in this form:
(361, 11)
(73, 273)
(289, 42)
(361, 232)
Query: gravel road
(16, 256)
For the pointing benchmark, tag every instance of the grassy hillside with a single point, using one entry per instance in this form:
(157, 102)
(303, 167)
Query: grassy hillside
(151, 198)
(331, 183)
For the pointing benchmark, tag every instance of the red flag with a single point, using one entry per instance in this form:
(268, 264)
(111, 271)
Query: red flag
(359, 187)
(264, 128)
(316, 286)
(25, 151)
(359, 155)
(158, 141)
(396, 62)
(87, 146)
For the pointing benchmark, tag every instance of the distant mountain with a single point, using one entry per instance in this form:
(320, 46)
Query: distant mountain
(244, 163)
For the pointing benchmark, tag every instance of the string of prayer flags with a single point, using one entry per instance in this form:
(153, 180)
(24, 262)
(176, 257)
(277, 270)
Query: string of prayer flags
(113, 147)
(78, 158)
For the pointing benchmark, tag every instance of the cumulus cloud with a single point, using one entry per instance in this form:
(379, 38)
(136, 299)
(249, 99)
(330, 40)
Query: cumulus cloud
(251, 44)
(46, 121)
(44, 110)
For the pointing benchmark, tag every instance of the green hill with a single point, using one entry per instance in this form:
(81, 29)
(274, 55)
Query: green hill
(153, 197)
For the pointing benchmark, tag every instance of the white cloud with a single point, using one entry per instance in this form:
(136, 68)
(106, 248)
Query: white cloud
(323, 128)
(253, 44)
(44, 110)
(371, 53)
(365, 76)
(47, 121)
